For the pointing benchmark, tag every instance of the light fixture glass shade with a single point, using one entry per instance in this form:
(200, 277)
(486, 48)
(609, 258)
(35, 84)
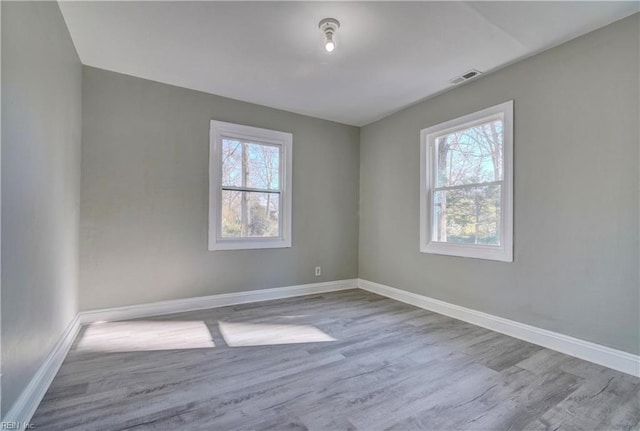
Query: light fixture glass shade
(329, 44)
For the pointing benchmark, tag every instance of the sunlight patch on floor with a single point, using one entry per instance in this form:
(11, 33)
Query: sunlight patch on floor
(148, 335)
(237, 334)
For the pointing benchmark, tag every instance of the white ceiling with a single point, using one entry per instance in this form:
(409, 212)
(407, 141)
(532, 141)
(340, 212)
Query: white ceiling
(388, 55)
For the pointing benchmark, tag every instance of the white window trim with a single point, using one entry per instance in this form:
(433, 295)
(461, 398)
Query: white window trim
(220, 129)
(504, 252)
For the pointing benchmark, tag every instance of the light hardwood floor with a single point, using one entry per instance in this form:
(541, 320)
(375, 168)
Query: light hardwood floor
(352, 361)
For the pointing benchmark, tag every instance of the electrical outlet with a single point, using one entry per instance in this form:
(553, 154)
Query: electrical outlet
(318, 271)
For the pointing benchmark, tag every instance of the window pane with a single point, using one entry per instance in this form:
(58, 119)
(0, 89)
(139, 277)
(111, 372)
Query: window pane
(473, 155)
(247, 164)
(249, 214)
(231, 163)
(468, 216)
(263, 166)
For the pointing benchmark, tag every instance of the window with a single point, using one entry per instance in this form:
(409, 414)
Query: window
(466, 200)
(249, 187)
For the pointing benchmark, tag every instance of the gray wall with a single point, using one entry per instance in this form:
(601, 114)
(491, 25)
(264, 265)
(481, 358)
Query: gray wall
(144, 203)
(576, 193)
(41, 113)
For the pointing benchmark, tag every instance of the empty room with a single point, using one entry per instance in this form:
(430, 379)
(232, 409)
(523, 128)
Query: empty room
(324, 216)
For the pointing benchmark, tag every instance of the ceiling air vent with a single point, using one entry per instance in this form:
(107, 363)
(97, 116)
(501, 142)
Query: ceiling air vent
(473, 73)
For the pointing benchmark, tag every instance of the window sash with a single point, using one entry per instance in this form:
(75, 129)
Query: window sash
(249, 189)
(251, 238)
(245, 141)
(467, 186)
(434, 220)
(433, 142)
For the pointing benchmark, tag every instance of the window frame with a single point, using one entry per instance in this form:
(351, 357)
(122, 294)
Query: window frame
(428, 136)
(220, 130)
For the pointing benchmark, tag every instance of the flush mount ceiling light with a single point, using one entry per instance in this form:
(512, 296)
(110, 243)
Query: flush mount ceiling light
(329, 27)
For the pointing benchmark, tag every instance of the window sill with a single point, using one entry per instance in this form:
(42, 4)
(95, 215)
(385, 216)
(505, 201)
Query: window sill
(253, 244)
(486, 252)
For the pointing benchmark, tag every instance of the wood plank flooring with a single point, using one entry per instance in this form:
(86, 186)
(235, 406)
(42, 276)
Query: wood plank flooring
(347, 360)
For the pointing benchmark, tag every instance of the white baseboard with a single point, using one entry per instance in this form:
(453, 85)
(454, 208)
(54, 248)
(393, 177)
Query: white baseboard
(592, 352)
(213, 301)
(25, 406)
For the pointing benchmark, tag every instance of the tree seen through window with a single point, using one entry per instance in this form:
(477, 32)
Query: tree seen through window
(468, 181)
(250, 189)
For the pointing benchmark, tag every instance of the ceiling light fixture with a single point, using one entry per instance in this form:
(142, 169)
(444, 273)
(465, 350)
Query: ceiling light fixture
(329, 27)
